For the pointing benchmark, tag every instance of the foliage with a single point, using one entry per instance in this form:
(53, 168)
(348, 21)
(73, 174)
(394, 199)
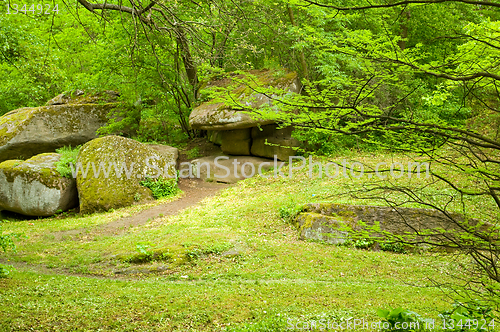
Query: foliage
(401, 317)
(469, 316)
(161, 187)
(68, 157)
(289, 211)
(5, 271)
(396, 247)
(6, 240)
(193, 153)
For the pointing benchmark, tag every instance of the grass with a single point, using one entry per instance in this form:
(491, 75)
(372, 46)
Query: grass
(73, 276)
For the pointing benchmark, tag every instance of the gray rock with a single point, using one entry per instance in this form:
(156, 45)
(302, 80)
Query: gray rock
(215, 136)
(169, 152)
(223, 169)
(26, 132)
(236, 142)
(116, 190)
(334, 223)
(214, 115)
(34, 187)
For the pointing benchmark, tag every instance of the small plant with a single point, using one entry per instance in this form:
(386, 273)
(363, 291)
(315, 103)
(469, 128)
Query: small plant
(137, 197)
(362, 243)
(193, 153)
(5, 271)
(289, 212)
(161, 187)
(68, 156)
(400, 319)
(468, 316)
(394, 247)
(6, 240)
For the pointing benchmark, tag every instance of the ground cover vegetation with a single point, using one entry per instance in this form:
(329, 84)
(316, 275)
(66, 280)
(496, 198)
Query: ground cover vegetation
(404, 81)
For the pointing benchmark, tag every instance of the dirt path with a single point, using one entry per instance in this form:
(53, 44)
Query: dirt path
(195, 190)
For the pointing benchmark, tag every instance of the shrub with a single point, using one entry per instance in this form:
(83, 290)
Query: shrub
(161, 187)
(5, 270)
(6, 241)
(400, 319)
(68, 157)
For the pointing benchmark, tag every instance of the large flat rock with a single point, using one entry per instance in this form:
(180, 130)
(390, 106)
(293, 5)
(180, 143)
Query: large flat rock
(29, 131)
(214, 115)
(225, 169)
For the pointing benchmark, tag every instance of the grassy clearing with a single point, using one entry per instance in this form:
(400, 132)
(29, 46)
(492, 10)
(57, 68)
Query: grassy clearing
(229, 261)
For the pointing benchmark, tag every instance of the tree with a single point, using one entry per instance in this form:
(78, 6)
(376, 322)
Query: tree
(427, 87)
(443, 106)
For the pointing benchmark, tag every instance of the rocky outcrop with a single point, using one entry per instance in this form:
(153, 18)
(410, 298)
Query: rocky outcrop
(236, 142)
(214, 115)
(239, 133)
(334, 223)
(34, 187)
(66, 120)
(111, 169)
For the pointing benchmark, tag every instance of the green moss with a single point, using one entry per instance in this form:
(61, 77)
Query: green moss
(102, 194)
(60, 116)
(12, 122)
(40, 168)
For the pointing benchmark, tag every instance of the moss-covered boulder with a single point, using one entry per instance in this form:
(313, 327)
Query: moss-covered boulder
(29, 131)
(34, 187)
(215, 115)
(111, 168)
(334, 223)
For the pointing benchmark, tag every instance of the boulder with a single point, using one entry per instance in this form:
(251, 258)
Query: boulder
(214, 136)
(34, 187)
(334, 223)
(236, 142)
(223, 169)
(79, 97)
(215, 115)
(111, 168)
(279, 142)
(168, 152)
(29, 131)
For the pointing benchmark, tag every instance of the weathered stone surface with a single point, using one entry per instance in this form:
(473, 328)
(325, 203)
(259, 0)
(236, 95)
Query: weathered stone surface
(316, 226)
(333, 222)
(214, 115)
(223, 169)
(236, 142)
(169, 152)
(279, 142)
(26, 132)
(215, 136)
(79, 97)
(127, 162)
(34, 187)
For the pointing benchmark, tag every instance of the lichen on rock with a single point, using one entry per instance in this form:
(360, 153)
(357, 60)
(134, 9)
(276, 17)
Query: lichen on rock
(34, 187)
(216, 115)
(29, 131)
(111, 168)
